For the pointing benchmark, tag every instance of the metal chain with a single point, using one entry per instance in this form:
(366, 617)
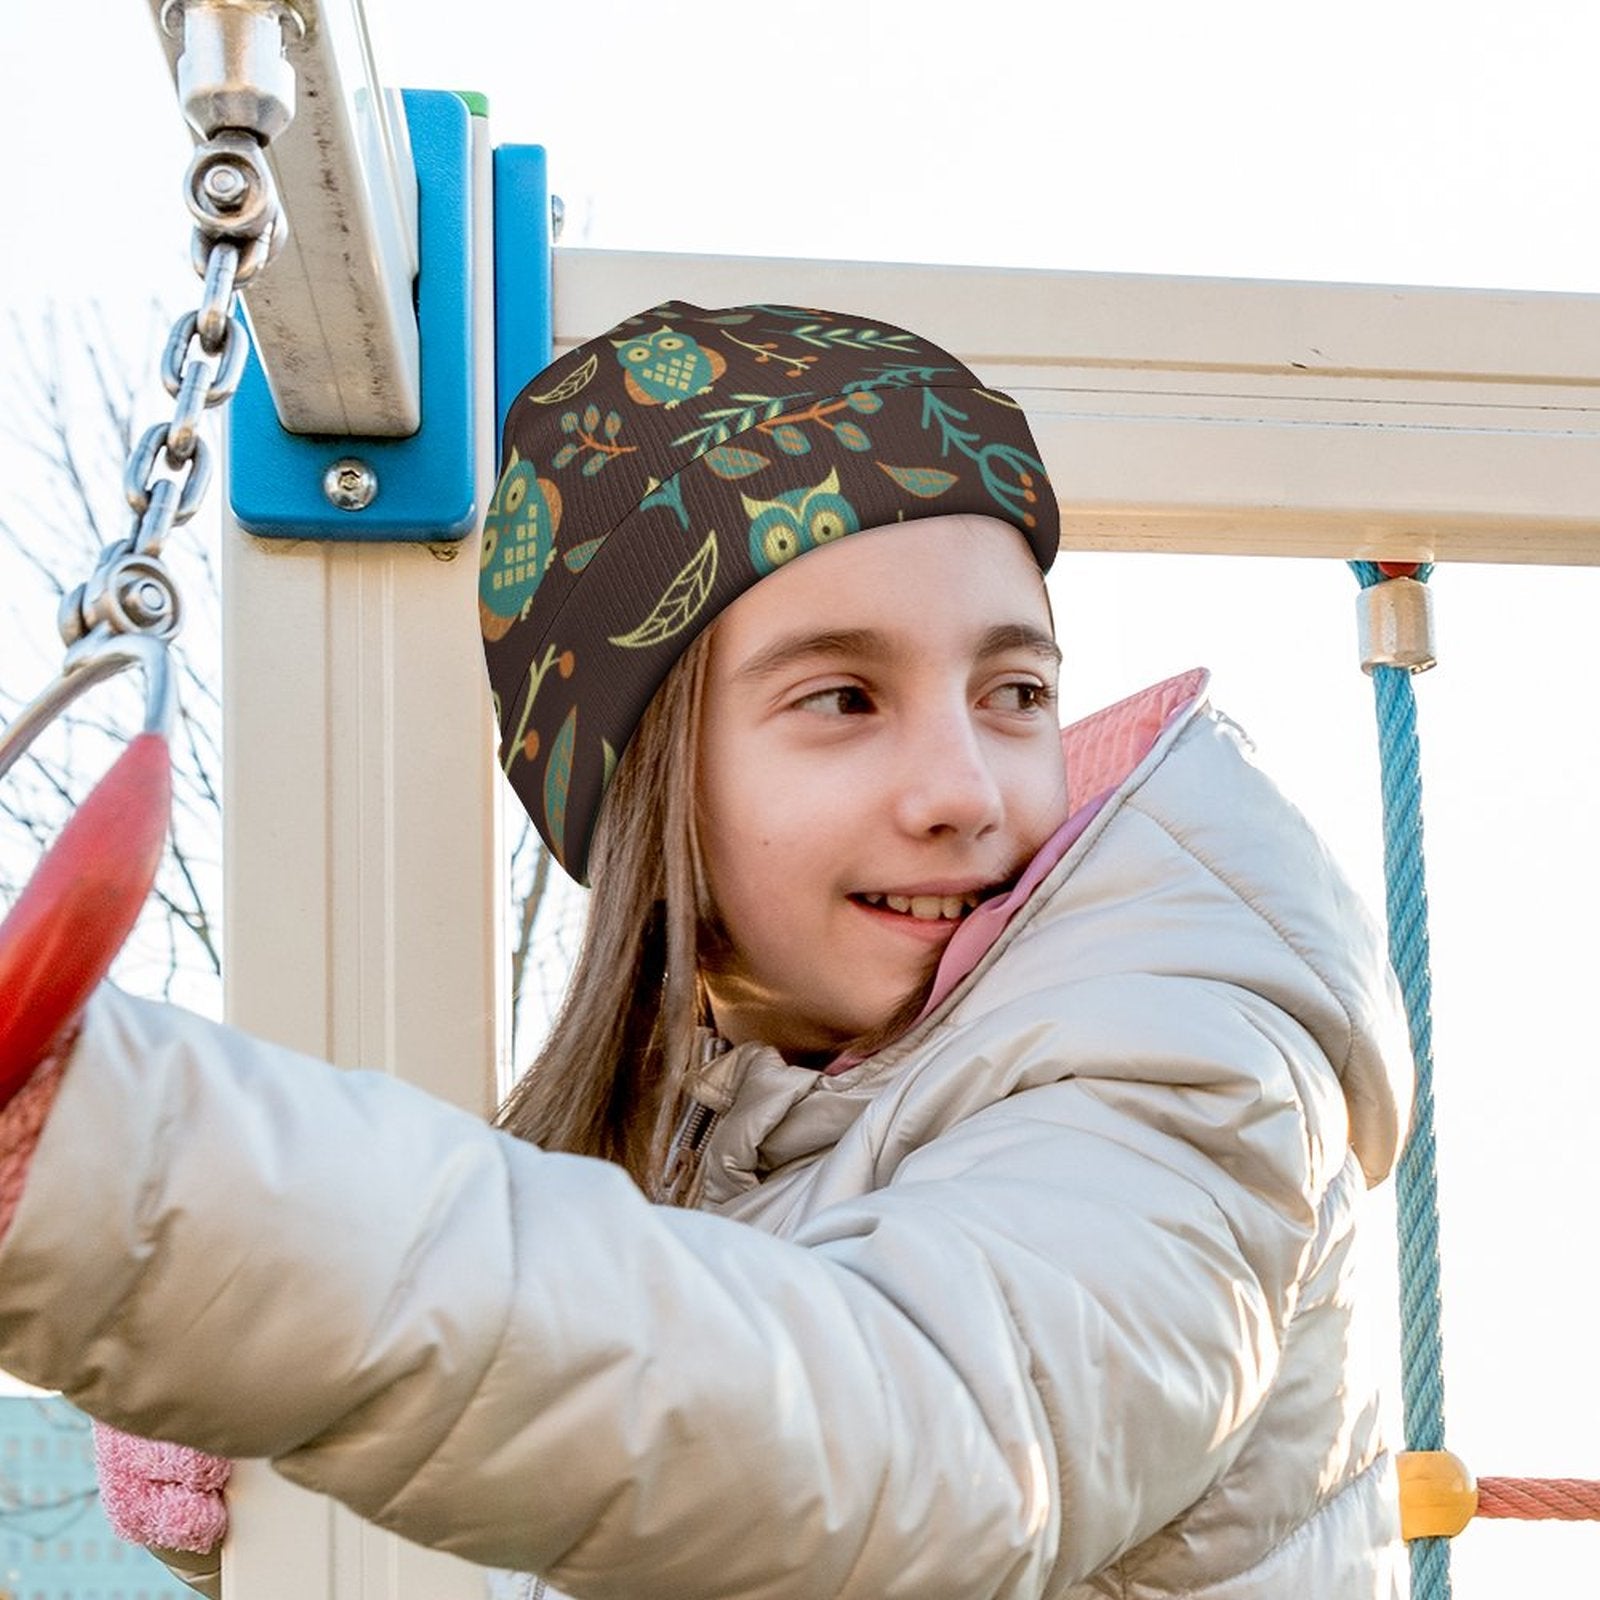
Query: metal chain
(239, 227)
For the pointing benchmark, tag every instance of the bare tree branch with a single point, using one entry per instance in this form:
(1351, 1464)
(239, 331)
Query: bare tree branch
(528, 915)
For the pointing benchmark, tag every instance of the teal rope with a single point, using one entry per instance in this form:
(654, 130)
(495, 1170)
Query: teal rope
(1421, 1347)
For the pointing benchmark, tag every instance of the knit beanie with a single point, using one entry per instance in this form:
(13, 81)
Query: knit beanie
(651, 475)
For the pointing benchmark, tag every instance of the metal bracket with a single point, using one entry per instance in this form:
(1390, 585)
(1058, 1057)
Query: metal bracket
(522, 272)
(298, 486)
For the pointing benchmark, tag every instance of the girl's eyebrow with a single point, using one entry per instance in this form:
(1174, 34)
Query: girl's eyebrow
(789, 648)
(870, 644)
(1008, 636)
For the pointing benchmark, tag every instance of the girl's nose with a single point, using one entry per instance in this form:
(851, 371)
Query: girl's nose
(948, 784)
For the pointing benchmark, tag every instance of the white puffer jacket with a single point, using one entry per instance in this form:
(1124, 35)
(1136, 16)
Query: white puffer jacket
(1053, 1297)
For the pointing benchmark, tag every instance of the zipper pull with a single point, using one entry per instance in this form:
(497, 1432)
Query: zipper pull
(711, 1091)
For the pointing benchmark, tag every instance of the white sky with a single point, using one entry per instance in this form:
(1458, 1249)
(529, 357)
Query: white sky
(1374, 140)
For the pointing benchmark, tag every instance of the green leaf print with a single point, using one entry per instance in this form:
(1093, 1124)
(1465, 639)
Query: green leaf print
(558, 779)
(790, 439)
(729, 461)
(815, 333)
(580, 555)
(926, 483)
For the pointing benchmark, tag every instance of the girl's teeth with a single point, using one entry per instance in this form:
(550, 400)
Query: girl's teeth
(926, 907)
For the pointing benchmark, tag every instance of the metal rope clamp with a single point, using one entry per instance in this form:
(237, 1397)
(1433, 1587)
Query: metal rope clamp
(1395, 622)
(58, 941)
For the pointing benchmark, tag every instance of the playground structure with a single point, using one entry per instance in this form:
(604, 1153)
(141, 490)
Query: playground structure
(1404, 426)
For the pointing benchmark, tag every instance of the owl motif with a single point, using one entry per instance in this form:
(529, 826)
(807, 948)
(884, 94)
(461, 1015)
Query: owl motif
(519, 543)
(667, 366)
(798, 521)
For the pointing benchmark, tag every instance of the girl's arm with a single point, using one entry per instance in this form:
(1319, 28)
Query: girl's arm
(165, 1497)
(513, 1356)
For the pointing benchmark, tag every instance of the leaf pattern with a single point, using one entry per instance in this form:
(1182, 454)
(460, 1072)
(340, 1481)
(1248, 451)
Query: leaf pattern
(828, 337)
(575, 382)
(790, 439)
(681, 603)
(722, 423)
(730, 461)
(580, 555)
(926, 483)
(558, 780)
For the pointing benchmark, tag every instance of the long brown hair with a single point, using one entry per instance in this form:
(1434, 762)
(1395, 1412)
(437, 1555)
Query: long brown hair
(606, 1083)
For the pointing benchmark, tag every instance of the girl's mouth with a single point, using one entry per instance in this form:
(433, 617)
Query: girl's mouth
(923, 907)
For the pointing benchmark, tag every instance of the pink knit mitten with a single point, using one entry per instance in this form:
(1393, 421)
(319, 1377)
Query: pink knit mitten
(161, 1494)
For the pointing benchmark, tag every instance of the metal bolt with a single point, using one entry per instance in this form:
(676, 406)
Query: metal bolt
(350, 484)
(225, 187)
(146, 602)
(558, 217)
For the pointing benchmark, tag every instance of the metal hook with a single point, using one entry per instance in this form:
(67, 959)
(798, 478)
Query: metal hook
(96, 658)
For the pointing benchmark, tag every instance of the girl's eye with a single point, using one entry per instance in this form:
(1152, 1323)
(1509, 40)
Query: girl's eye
(1023, 695)
(838, 700)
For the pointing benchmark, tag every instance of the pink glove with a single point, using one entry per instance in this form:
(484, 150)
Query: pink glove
(161, 1494)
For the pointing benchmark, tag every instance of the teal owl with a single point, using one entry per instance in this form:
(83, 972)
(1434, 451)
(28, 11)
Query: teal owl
(667, 366)
(519, 543)
(797, 521)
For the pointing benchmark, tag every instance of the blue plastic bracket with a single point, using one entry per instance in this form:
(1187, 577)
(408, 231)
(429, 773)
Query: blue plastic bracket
(426, 491)
(522, 288)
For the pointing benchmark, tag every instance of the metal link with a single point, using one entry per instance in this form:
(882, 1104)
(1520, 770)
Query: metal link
(212, 320)
(157, 519)
(252, 256)
(197, 383)
(183, 432)
(139, 481)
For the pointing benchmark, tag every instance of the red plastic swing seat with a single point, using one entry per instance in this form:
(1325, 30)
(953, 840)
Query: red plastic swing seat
(58, 941)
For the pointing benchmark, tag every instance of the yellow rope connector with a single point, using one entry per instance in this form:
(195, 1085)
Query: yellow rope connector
(1438, 1496)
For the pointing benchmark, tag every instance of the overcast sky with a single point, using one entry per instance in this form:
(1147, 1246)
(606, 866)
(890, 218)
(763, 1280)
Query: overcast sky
(1364, 140)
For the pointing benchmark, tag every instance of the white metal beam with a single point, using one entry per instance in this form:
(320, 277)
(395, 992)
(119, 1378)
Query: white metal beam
(333, 318)
(1233, 417)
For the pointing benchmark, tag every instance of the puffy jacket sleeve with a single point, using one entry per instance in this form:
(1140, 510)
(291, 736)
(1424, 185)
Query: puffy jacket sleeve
(512, 1355)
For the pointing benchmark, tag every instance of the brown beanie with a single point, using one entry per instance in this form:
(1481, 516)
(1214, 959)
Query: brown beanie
(651, 475)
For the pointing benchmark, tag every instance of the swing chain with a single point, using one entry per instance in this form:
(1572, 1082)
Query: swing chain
(238, 91)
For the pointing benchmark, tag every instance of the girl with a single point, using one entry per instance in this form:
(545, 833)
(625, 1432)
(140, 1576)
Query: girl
(945, 1177)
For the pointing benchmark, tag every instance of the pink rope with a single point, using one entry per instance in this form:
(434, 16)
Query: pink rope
(1540, 1499)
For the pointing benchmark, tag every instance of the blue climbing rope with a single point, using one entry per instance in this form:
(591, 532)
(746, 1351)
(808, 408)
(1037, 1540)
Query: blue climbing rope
(1421, 1347)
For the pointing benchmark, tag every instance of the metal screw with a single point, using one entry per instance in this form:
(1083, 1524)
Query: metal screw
(350, 484)
(225, 187)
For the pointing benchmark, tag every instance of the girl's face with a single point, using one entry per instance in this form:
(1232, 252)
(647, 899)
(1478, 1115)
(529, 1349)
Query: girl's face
(879, 749)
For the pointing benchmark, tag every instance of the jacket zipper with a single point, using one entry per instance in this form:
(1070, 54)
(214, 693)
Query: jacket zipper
(680, 1177)
(718, 1072)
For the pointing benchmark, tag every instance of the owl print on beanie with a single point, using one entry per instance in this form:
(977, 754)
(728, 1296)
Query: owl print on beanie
(651, 475)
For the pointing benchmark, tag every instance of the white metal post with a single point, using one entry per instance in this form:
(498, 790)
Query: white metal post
(363, 886)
